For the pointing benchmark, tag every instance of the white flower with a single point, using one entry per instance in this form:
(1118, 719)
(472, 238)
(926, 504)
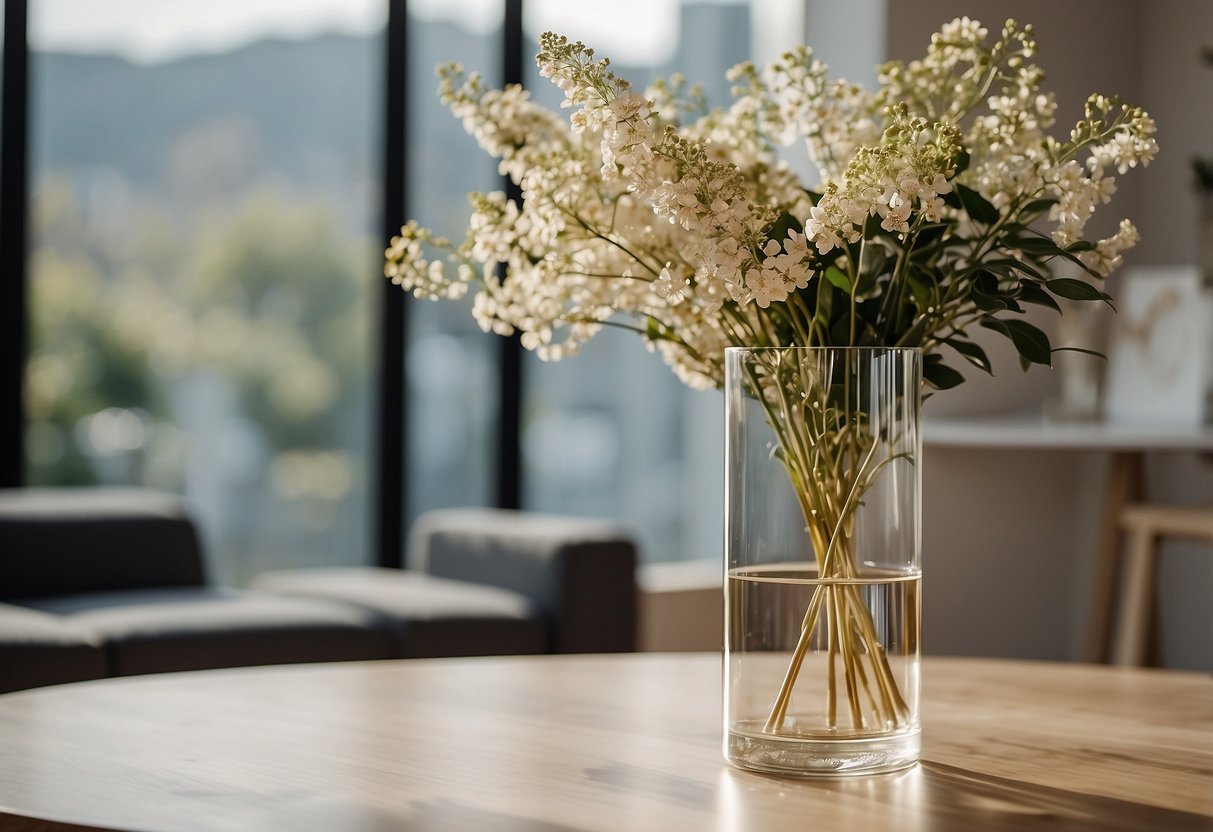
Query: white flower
(766, 284)
(631, 105)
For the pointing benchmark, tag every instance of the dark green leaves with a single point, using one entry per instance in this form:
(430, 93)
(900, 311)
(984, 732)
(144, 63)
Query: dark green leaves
(922, 289)
(1031, 344)
(939, 375)
(973, 353)
(1010, 267)
(1035, 209)
(977, 206)
(1031, 293)
(1037, 247)
(871, 265)
(1082, 350)
(989, 297)
(1073, 289)
(1041, 248)
(962, 162)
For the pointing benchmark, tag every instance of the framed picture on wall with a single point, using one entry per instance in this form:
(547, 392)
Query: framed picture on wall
(1159, 354)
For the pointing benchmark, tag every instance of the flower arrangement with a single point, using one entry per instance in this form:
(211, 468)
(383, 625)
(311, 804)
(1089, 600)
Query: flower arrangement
(941, 204)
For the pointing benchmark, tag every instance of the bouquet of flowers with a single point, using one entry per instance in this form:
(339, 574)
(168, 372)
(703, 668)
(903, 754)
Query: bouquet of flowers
(942, 203)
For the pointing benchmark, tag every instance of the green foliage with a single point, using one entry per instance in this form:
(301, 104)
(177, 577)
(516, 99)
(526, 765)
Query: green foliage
(906, 296)
(265, 296)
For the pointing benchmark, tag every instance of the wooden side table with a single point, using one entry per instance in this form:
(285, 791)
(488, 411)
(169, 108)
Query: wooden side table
(1146, 525)
(1127, 446)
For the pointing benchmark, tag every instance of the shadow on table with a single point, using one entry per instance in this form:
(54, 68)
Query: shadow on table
(935, 796)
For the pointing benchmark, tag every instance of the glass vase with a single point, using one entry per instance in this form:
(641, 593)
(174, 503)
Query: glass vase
(822, 559)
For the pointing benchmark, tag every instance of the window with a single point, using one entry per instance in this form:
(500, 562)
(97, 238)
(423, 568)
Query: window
(204, 275)
(203, 242)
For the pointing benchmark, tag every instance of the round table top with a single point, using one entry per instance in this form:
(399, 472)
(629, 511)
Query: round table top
(557, 743)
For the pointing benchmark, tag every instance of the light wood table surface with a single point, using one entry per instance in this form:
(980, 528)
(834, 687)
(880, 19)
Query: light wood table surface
(557, 743)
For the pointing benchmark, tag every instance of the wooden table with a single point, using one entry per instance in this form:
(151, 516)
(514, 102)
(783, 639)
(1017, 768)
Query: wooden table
(616, 743)
(1125, 483)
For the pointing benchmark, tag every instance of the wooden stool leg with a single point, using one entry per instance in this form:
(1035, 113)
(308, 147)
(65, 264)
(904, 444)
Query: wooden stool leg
(1123, 485)
(1137, 598)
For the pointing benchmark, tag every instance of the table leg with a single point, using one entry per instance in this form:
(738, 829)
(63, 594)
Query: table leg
(1124, 484)
(1135, 608)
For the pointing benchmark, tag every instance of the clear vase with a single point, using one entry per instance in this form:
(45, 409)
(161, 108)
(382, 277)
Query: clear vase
(822, 559)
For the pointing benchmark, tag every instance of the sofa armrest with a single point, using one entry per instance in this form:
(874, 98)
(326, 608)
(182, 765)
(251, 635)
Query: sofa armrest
(55, 541)
(580, 573)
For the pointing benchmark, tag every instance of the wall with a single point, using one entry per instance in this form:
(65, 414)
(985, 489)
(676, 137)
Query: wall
(1009, 536)
(1178, 92)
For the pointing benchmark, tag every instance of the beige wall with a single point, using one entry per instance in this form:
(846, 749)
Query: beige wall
(1178, 92)
(1008, 536)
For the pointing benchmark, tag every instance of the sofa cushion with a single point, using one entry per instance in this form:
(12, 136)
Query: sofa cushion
(433, 616)
(579, 572)
(39, 649)
(153, 631)
(61, 540)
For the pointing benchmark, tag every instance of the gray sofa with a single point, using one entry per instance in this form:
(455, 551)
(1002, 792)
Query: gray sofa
(97, 582)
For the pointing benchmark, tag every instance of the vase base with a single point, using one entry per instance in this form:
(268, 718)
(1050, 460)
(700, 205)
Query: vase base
(806, 757)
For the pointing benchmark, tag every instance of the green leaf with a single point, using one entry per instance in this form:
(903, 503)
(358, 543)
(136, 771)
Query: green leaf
(840, 332)
(977, 206)
(1037, 246)
(1073, 258)
(1031, 344)
(1009, 266)
(987, 303)
(962, 162)
(999, 267)
(928, 235)
(1082, 350)
(941, 376)
(838, 278)
(973, 353)
(654, 330)
(913, 336)
(921, 290)
(1073, 289)
(1031, 293)
(988, 297)
(871, 264)
(1035, 209)
(824, 309)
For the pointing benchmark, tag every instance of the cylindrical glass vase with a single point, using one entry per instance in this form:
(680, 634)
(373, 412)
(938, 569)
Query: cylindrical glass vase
(822, 568)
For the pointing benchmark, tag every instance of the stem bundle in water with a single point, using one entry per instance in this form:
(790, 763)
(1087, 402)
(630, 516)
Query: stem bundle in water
(831, 449)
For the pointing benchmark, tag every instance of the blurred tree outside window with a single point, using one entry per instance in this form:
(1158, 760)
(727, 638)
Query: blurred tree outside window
(203, 258)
